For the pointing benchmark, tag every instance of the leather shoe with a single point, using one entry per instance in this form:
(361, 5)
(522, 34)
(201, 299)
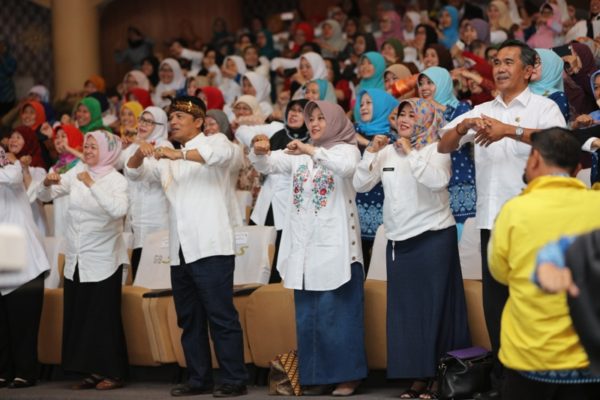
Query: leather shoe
(317, 390)
(19, 384)
(187, 390)
(230, 390)
(491, 395)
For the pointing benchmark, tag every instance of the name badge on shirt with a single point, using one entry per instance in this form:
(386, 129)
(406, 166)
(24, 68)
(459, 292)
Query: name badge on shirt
(388, 169)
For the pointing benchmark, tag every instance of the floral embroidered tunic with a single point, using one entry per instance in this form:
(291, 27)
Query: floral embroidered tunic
(321, 234)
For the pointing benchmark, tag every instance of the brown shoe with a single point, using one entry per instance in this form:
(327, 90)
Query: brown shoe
(109, 384)
(88, 383)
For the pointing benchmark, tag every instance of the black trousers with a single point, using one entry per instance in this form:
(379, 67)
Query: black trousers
(494, 299)
(20, 313)
(136, 255)
(203, 295)
(517, 387)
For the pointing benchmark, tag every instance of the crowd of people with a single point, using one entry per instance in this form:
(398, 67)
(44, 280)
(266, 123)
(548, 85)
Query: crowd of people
(416, 120)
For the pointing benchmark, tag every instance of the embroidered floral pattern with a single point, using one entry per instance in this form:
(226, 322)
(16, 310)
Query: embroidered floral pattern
(300, 177)
(323, 185)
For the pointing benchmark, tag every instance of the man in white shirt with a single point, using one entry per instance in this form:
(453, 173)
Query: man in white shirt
(196, 183)
(501, 130)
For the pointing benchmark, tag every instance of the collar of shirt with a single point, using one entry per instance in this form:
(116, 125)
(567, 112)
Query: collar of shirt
(522, 98)
(554, 181)
(191, 143)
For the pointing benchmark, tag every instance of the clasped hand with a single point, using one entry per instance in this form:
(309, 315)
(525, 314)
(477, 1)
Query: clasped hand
(487, 130)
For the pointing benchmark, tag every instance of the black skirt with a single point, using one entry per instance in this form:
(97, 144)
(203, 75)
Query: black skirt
(93, 338)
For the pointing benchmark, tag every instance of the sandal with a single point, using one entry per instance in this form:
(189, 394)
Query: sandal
(431, 391)
(409, 394)
(415, 390)
(109, 384)
(88, 383)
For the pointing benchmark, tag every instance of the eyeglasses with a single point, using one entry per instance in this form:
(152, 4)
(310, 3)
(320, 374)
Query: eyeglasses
(144, 121)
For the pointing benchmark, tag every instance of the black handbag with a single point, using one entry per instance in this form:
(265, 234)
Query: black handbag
(464, 372)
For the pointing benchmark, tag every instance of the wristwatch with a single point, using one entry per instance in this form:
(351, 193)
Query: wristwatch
(519, 133)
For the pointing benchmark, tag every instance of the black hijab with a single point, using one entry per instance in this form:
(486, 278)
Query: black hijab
(280, 139)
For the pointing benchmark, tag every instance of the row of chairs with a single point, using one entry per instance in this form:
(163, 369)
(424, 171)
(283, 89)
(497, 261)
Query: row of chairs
(266, 311)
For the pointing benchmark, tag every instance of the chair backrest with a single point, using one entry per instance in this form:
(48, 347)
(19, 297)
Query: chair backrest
(377, 266)
(469, 250)
(54, 250)
(244, 200)
(49, 214)
(585, 175)
(253, 254)
(154, 270)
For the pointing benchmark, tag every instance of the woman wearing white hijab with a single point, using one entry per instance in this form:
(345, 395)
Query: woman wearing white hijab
(171, 80)
(254, 84)
(311, 67)
(136, 79)
(232, 71)
(148, 208)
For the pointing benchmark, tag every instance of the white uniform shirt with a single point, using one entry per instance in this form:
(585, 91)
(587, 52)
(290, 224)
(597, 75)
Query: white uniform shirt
(415, 188)
(95, 223)
(15, 209)
(321, 234)
(199, 196)
(500, 166)
(37, 178)
(148, 207)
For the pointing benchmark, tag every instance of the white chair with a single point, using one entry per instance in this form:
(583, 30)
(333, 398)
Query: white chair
(377, 266)
(254, 249)
(154, 271)
(244, 200)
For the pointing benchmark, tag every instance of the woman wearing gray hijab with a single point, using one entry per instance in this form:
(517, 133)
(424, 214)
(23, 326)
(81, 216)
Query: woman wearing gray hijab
(320, 255)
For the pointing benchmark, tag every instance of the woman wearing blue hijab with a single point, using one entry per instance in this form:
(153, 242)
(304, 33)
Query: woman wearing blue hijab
(373, 107)
(371, 69)
(435, 84)
(448, 25)
(547, 80)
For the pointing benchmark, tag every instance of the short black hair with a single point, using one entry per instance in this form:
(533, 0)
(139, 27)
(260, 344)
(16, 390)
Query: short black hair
(558, 147)
(528, 55)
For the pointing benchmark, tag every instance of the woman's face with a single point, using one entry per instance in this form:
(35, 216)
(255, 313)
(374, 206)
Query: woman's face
(245, 42)
(316, 124)
(445, 20)
(147, 68)
(61, 140)
(406, 121)
(210, 59)
(231, 65)
(299, 37)
(389, 53)
(366, 108)
(127, 118)
(89, 87)
(467, 33)
(261, 40)
(145, 126)
(130, 82)
(28, 116)
(597, 86)
(247, 87)
(420, 37)
(430, 59)
(327, 31)
(389, 79)
(330, 74)
(493, 13)
(242, 110)
(360, 45)
(408, 24)
(350, 29)
(165, 74)
(426, 88)
(312, 92)
(211, 126)
(91, 153)
(82, 115)
(366, 69)
(251, 57)
(295, 117)
(16, 143)
(536, 74)
(192, 87)
(385, 23)
(305, 69)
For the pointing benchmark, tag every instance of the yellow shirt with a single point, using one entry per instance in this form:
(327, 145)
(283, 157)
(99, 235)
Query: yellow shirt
(537, 331)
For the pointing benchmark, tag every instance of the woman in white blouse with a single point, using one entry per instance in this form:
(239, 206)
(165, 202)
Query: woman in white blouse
(22, 292)
(148, 208)
(93, 338)
(426, 312)
(320, 254)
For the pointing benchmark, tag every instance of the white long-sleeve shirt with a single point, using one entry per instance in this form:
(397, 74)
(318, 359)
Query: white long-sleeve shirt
(148, 207)
(199, 195)
(15, 210)
(499, 167)
(321, 234)
(94, 241)
(37, 178)
(415, 188)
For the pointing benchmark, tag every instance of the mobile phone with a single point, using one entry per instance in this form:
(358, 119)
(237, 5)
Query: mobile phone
(564, 50)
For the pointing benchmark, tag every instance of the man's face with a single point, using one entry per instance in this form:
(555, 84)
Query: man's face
(183, 126)
(595, 6)
(509, 71)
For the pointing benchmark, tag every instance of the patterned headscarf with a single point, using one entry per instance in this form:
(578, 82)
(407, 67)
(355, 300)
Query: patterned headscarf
(429, 120)
(109, 147)
(338, 130)
(66, 160)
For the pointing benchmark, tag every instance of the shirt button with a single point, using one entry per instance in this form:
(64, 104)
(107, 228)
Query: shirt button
(350, 201)
(352, 226)
(353, 243)
(352, 214)
(353, 258)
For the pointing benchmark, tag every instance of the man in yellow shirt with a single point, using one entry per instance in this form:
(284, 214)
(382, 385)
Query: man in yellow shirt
(538, 345)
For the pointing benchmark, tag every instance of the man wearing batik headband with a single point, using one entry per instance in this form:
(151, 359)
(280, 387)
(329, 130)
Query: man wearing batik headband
(201, 246)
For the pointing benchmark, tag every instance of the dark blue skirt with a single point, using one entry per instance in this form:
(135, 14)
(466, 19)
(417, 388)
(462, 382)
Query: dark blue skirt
(370, 211)
(426, 311)
(331, 334)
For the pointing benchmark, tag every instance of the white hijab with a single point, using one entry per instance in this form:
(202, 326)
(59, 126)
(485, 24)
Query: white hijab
(261, 85)
(140, 78)
(160, 133)
(317, 64)
(239, 63)
(177, 83)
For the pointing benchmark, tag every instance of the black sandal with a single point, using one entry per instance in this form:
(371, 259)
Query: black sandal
(88, 383)
(409, 394)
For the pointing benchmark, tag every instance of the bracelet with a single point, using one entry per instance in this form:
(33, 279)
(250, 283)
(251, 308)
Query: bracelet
(184, 154)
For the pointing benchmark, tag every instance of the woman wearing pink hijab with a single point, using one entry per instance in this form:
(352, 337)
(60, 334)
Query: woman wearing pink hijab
(390, 26)
(320, 256)
(93, 338)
